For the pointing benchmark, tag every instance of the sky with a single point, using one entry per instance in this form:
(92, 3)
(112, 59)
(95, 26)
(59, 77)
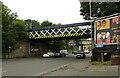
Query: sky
(56, 11)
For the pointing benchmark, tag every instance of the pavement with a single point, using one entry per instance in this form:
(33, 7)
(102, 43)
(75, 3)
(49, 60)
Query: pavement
(84, 69)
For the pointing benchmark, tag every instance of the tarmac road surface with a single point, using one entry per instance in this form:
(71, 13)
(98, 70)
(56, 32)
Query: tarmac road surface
(35, 66)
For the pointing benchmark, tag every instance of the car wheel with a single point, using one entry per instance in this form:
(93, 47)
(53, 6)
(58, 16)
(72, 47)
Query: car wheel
(64, 55)
(84, 56)
(78, 57)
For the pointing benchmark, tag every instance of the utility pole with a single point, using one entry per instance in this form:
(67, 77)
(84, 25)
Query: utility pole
(29, 23)
(90, 18)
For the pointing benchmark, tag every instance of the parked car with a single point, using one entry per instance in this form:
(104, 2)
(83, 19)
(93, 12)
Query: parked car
(49, 54)
(46, 55)
(58, 54)
(61, 53)
(64, 52)
(74, 52)
(80, 55)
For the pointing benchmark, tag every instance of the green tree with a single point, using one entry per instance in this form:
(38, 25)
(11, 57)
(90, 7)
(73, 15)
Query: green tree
(21, 28)
(14, 30)
(0, 13)
(46, 23)
(99, 9)
(35, 24)
(9, 35)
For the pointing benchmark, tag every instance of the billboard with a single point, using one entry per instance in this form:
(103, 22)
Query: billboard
(108, 31)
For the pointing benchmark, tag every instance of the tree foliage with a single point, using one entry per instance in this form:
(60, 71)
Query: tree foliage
(19, 26)
(13, 30)
(8, 32)
(99, 9)
(48, 23)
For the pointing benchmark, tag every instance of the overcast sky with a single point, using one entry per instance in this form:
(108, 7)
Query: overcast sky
(56, 11)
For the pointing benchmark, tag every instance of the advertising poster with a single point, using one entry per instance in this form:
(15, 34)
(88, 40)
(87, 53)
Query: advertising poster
(103, 38)
(115, 30)
(108, 31)
(103, 24)
(103, 32)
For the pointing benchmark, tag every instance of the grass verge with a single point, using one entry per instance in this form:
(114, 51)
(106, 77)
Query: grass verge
(101, 63)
